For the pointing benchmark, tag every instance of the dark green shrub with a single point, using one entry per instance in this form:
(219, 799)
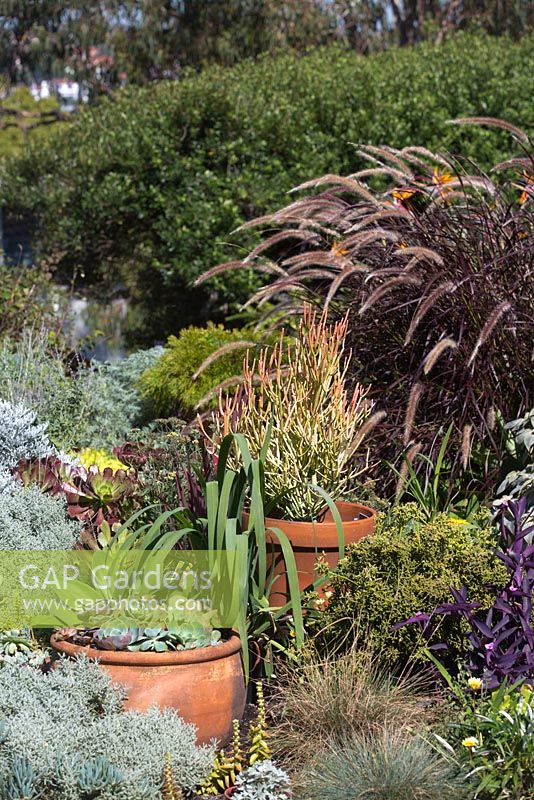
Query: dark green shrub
(25, 300)
(25, 118)
(408, 566)
(171, 383)
(144, 189)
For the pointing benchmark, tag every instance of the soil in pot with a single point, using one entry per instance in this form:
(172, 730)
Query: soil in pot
(206, 686)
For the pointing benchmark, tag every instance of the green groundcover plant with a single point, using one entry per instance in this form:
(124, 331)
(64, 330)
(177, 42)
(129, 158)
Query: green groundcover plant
(491, 736)
(144, 190)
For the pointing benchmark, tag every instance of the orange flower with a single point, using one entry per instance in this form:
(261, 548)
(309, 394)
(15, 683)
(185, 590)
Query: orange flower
(338, 249)
(528, 191)
(403, 194)
(441, 179)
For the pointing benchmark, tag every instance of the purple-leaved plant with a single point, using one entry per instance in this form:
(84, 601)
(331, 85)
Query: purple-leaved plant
(501, 641)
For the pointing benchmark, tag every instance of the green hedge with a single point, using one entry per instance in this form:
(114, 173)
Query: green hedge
(144, 189)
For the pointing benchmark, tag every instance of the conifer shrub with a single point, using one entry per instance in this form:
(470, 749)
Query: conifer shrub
(176, 383)
(408, 566)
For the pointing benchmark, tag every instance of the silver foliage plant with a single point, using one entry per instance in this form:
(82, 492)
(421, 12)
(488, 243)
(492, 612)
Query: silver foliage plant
(21, 436)
(7, 481)
(262, 781)
(31, 520)
(519, 456)
(94, 405)
(64, 736)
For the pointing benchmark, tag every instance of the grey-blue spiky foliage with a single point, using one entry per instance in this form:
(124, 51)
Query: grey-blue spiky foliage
(31, 520)
(21, 436)
(64, 736)
(389, 766)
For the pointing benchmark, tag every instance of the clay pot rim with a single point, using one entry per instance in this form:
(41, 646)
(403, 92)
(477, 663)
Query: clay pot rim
(139, 659)
(357, 508)
(323, 535)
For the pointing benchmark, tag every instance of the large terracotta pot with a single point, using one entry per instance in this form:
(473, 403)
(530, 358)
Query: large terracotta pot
(312, 540)
(206, 686)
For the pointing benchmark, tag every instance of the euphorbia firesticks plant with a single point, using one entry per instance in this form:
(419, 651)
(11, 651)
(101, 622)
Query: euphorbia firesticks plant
(298, 391)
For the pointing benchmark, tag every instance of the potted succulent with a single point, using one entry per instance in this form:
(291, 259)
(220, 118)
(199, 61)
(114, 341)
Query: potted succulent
(193, 668)
(295, 397)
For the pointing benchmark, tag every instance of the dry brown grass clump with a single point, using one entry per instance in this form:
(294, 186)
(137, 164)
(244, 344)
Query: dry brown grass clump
(327, 701)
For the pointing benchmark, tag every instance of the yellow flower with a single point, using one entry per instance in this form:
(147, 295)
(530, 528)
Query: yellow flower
(458, 521)
(526, 692)
(471, 742)
(101, 459)
(474, 684)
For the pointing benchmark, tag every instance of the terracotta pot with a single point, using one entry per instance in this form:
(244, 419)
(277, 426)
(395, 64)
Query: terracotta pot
(312, 540)
(206, 686)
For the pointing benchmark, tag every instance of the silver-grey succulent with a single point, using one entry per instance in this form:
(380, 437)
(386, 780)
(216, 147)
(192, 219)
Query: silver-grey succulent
(19, 647)
(64, 736)
(262, 781)
(519, 456)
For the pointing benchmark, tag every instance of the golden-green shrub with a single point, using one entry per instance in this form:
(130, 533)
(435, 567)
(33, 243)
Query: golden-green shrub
(408, 566)
(172, 383)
